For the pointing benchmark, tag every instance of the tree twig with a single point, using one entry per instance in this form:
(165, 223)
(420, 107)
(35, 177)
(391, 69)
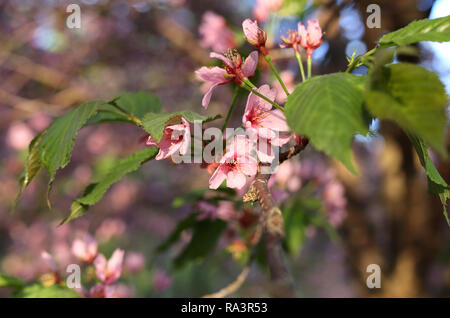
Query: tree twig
(282, 285)
(231, 288)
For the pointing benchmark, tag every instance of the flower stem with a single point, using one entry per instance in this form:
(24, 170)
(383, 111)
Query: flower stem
(133, 118)
(300, 64)
(309, 66)
(274, 70)
(230, 109)
(252, 88)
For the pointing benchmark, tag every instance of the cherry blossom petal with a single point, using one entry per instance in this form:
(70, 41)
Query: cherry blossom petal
(236, 179)
(275, 121)
(218, 177)
(248, 165)
(251, 31)
(250, 64)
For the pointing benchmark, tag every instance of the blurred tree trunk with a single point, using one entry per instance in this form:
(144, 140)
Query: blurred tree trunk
(392, 220)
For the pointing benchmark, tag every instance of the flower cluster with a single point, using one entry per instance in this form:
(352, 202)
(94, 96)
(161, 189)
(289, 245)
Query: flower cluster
(106, 271)
(309, 38)
(263, 121)
(234, 69)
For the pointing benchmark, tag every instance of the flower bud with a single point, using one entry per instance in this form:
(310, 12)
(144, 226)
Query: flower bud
(254, 34)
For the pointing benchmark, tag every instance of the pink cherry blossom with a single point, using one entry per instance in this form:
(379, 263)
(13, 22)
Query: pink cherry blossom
(109, 271)
(253, 34)
(235, 165)
(264, 124)
(264, 7)
(86, 249)
(162, 281)
(311, 37)
(291, 41)
(134, 262)
(175, 138)
(215, 33)
(233, 70)
(287, 176)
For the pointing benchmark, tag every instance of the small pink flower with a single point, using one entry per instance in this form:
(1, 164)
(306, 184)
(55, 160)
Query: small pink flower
(291, 41)
(253, 34)
(109, 271)
(86, 249)
(287, 176)
(175, 138)
(215, 33)
(235, 165)
(134, 262)
(264, 7)
(265, 124)
(233, 70)
(311, 37)
(162, 281)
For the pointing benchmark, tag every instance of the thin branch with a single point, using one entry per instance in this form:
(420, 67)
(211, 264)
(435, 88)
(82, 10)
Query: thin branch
(231, 288)
(282, 285)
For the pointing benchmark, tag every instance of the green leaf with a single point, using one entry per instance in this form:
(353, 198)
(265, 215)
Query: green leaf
(55, 148)
(329, 110)
(437, 30)
(155, 123)
(436, 184)
(32, 166)
(138, 104)
(295, 224)
(53, 291)
(8, 281)
(204, 240)
(414, 98)
(95, 191)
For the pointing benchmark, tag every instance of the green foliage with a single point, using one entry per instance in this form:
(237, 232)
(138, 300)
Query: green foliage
(413, 97)
(204, 240)
(155, 123)
(55, 147)
(8, 281)
(32, 166)
(329, 110)
(95, 191)
(137, 104)
(436, 184)
(53, 291)
(306, 210)
(422, 30)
